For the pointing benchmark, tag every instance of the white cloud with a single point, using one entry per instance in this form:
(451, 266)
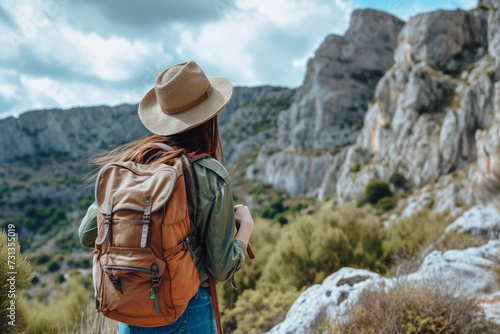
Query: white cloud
(227, 44)
(86, 53)
(61, 63)
(110, 59)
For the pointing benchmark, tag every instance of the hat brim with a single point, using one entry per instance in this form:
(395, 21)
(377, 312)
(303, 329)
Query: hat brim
(160, 123)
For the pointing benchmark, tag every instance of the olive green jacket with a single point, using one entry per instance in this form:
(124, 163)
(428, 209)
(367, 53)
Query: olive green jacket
(212, 225)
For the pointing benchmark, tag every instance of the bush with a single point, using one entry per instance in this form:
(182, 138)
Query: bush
(263, 243)
(271, 210)
(409, 235)
(66, 310)
(23, 177)
(41, 259)
(377, 189)
(257, 311)
(398, 180)
(60, 278)
(385, 203)
(297, 207)
(259, 189)
(317, 245)
(423, 307)
(281, 219)
(356, 168)
(53, 266)
(46, 201)
(277, 205)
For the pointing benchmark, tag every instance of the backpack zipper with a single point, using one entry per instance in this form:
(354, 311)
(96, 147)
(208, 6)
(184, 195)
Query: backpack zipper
(128, 268)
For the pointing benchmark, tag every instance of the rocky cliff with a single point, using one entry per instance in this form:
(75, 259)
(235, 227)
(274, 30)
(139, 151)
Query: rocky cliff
(328, 111)
(429, 104)
(434, 119)
(81, 130)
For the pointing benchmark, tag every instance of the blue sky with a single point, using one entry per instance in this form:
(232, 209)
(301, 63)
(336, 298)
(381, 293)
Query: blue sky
(65, 53)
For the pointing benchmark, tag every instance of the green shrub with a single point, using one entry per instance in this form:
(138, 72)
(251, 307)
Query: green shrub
(53, 266)
(257, 311)
(46, 201)
(60, 278)
(281, 219)
(5, 189)
(263, 243)
(41, 259)
(259, 189)
(398, 180)
(267, 212)
(316, 245)
(23, 176)
(431, 204)
(82, 263)
(66, 309)
(409, 235)
(25, 201)
(377, 189)
(275, 207)
(385, 203)
(297, 207)
(356, 168)
(18, 187)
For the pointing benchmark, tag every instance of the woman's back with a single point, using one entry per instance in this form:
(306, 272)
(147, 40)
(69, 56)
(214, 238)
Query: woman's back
(181, 111)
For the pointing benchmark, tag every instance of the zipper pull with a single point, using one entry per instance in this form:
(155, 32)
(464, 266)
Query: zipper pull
(116, 283)
(155, 287)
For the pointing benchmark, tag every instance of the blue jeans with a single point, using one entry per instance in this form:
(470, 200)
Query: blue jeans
(198, 318)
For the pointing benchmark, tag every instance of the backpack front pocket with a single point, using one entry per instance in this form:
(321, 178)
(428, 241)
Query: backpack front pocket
(131, 283)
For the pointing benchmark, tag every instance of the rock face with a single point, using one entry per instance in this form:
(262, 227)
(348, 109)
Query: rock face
(329, 107)
(479, 221)
(69, 132)
(429, 104)
(251, 119)
(87, 129)
(444, 39)
(474, 268)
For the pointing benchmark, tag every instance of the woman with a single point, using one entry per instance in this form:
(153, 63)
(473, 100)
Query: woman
(181, 110)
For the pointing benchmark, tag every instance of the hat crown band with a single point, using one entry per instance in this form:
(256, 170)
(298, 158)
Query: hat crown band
(189, 105)
(181, 87)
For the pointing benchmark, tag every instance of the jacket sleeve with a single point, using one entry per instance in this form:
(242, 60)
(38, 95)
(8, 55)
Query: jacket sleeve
(225, 255)
(87, 232)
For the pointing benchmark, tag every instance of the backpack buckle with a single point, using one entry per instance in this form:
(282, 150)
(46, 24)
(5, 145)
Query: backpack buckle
(146, 219)
(107, 222)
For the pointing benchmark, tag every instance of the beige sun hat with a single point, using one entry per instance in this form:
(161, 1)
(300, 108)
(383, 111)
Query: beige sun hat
(182, 98)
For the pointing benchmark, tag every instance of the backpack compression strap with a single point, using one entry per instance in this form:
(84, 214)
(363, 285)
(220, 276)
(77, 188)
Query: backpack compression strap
(213, 293)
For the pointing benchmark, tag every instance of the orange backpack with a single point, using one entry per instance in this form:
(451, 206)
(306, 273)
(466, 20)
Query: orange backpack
(144, 268)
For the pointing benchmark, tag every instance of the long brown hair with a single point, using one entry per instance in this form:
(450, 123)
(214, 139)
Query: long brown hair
(202, 139)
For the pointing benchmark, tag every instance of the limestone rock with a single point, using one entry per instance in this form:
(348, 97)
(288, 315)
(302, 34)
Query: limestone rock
(470, 270)
(329, 107)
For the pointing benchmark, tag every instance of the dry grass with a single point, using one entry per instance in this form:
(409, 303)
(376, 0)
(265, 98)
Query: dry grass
(413, 308)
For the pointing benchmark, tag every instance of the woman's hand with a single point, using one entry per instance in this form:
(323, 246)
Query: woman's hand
(242, 215)
(244, 223)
